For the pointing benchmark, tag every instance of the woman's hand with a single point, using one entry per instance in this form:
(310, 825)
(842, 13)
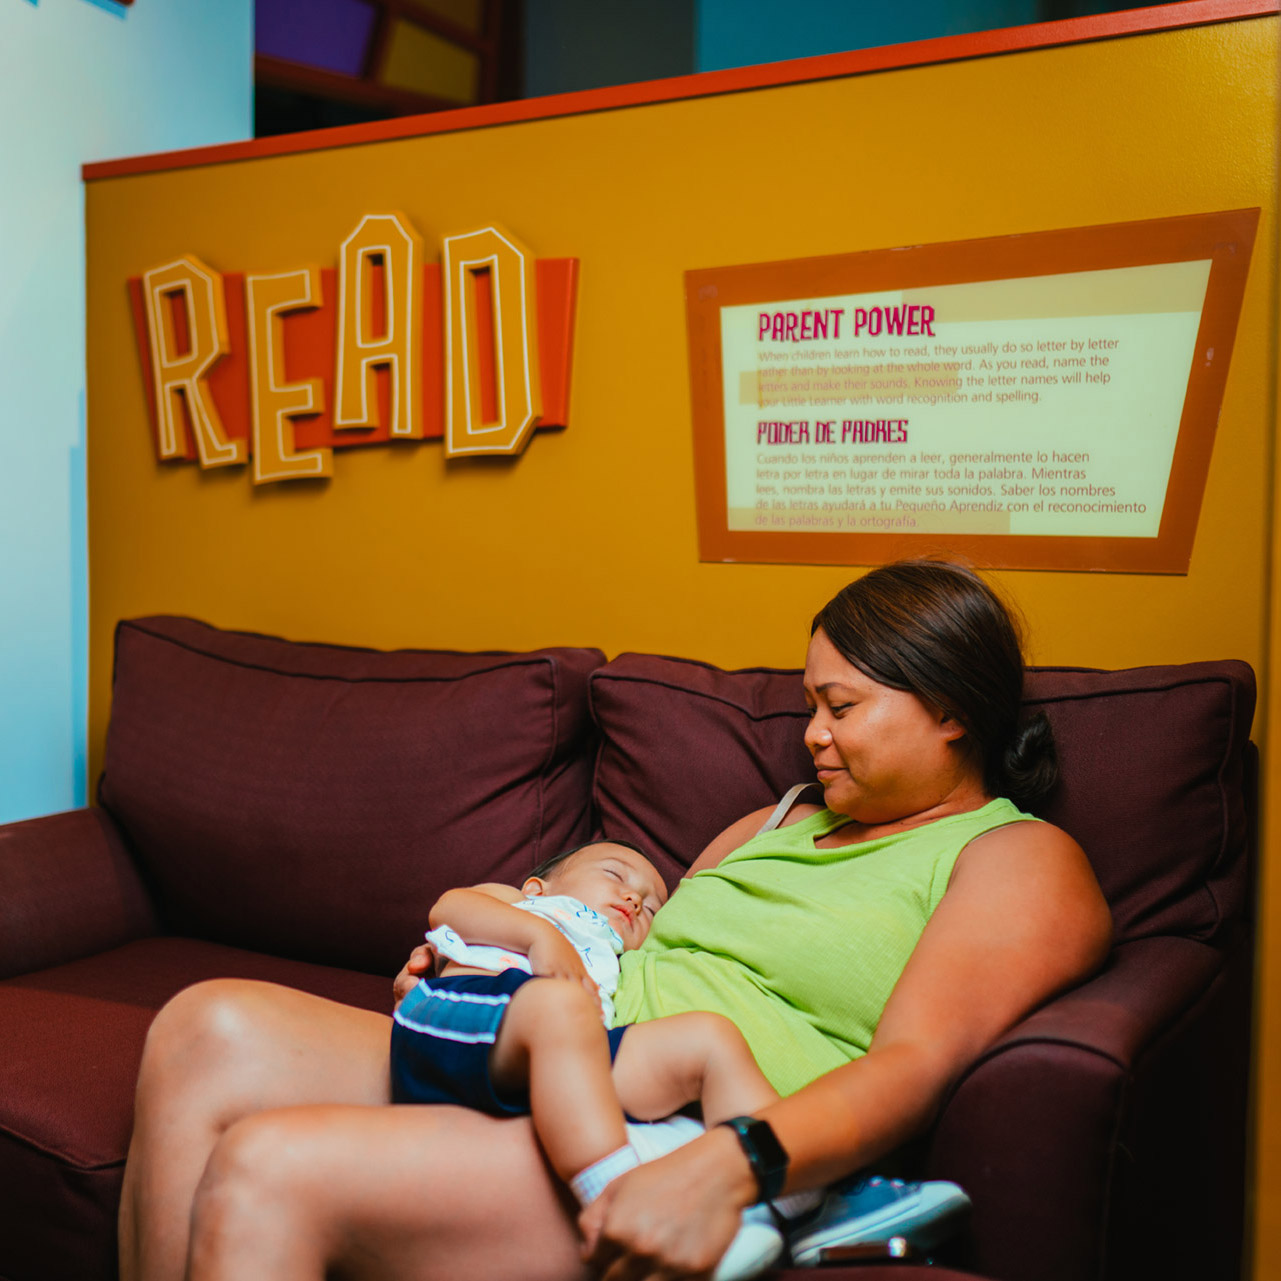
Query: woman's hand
(422, 960)
(670, 1218)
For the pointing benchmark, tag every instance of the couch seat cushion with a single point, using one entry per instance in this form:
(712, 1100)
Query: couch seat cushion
(73, 1038)
(74, 1034)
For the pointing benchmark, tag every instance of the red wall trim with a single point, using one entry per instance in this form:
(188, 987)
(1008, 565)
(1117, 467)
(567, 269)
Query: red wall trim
(1107, 26)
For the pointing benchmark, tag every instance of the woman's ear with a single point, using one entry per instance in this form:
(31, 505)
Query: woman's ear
(534, 887)
(950, 727)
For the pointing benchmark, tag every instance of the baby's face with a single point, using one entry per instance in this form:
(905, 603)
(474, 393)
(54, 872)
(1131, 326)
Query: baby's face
(622, 885)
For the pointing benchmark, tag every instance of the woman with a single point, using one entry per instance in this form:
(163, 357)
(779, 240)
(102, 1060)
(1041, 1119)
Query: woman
(258, 1146)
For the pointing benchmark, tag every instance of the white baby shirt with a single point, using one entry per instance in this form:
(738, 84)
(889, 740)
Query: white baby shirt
(593, 937)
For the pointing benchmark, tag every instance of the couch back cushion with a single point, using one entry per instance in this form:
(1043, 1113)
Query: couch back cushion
(313, 801)
(686, 748)
(1156, 783)
(1153, 771)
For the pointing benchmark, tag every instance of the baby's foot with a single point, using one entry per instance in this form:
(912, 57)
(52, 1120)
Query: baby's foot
(757, 1245)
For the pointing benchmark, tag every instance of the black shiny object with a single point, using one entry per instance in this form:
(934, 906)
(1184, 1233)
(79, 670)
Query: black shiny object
(764, 1154)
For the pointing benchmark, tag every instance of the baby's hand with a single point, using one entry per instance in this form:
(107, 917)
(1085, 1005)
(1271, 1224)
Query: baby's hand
(552, 955)
(422, 960)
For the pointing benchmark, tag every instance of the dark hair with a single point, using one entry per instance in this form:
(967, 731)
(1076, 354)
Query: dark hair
(937, 630)
(549, 865)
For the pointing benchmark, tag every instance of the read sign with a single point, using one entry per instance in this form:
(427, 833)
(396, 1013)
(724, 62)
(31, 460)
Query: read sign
(279, 368)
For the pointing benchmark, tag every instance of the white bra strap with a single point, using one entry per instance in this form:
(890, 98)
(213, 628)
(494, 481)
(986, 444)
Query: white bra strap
(781, 809)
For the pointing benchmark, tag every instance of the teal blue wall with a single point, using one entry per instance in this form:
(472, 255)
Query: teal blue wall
(80, 80)
(738, 33)
(584, 44)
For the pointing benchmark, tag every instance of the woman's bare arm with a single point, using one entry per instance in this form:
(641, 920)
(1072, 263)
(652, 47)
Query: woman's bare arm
(1023, 918)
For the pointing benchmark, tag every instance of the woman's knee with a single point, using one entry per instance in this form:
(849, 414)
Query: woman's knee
(202, 1017)
(207, 1030)
(254, 1158)
(256, 1177)
(355, 1183)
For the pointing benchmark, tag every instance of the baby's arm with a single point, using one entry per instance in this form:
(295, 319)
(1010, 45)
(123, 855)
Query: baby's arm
(487, 914)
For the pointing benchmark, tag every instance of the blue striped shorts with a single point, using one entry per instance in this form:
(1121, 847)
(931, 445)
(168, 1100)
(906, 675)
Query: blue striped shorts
(441, 1037)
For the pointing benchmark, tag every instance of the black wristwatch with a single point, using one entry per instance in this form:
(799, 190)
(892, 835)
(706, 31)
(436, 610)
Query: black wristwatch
(764, 1154)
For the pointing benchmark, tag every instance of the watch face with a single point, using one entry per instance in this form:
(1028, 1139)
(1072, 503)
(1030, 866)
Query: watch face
(764, 1152)
(767, 1143)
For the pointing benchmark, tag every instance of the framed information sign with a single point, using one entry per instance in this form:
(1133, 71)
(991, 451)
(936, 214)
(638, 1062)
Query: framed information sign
(1046, 401)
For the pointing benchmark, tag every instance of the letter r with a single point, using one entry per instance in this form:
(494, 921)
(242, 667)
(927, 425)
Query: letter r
(189, 289)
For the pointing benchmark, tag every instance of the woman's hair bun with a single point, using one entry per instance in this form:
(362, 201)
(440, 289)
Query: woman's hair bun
(1031, 761)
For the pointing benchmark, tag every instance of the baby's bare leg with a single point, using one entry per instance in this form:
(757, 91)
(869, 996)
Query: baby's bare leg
(689, 1058)
(552, 1042)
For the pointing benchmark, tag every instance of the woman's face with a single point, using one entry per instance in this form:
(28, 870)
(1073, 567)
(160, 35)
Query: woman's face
(881, 754)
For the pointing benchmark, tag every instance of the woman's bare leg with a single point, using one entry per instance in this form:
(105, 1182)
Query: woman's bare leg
(219, 1052)
(405, 1193)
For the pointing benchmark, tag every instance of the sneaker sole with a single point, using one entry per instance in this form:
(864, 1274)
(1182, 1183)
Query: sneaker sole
(923, 1220)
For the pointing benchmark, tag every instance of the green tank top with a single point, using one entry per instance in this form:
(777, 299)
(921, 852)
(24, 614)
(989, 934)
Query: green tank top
(800, 947)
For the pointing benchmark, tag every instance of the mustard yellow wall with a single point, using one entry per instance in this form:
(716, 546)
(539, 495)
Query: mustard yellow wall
(590, 537)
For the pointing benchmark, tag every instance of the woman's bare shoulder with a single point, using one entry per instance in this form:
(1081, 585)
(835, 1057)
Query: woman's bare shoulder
(742, 831)
(1042, 874)
(1025, 845)
(801, 810)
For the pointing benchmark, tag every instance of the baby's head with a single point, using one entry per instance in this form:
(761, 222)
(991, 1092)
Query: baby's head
(612, 877)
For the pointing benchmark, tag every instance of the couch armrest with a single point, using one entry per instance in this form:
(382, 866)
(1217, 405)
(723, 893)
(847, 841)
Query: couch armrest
(1146, 985)
(1036, 1128)
(68, 889)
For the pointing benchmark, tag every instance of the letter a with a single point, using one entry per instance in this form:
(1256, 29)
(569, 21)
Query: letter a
(390, 334)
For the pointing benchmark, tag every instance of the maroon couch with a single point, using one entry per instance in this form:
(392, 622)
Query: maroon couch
(288, 811)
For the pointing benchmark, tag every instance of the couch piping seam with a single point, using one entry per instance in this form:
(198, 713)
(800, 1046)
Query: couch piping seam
(1154, 688)
(510, 661)
(698, 693)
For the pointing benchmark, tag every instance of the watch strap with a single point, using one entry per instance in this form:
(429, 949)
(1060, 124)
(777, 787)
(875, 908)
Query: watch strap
(764, 1154)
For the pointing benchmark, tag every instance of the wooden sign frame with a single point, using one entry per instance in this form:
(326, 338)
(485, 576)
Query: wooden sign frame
(1224, 238)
